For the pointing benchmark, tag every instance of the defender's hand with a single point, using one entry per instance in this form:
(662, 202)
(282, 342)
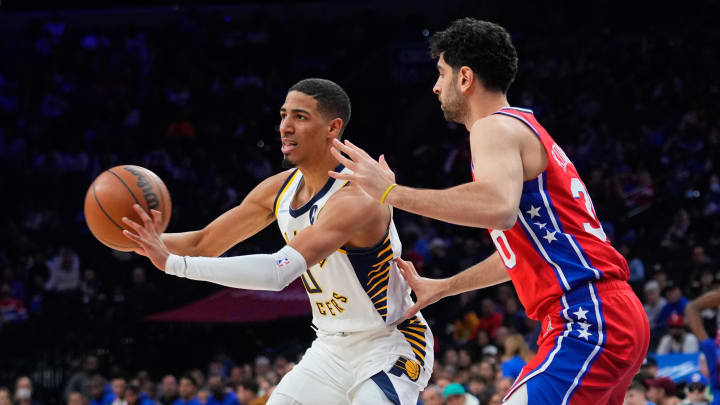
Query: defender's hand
(427, 290)
(372, 176)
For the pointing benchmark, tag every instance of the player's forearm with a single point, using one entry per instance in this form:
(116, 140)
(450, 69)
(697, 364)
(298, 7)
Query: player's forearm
(487, 273)
(184, 243)
(692, 315)
(257, 272)
(468, 204)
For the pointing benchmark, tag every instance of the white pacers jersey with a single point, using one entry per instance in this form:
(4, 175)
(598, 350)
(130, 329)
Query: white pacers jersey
(352, 290)
(358, 299)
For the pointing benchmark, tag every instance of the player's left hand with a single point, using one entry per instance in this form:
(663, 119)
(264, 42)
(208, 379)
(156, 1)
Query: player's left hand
(373, 176)
(147, 236)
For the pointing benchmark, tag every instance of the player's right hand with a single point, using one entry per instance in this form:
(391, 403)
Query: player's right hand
(427, 290)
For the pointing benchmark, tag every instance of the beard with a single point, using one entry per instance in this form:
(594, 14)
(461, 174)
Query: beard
(454, 108)
(286, 163)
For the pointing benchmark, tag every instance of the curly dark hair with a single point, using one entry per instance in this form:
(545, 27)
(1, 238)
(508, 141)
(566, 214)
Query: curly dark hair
(333, 102)
(484, 47)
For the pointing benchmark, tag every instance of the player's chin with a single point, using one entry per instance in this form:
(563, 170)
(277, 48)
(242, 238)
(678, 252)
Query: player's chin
(287, 163)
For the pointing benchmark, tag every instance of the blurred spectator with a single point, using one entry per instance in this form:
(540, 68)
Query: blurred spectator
(5, 396)
(141, 296)
(636, 394)
(495, 399)
(187, 390)
(218, 394)
(79, 381)
(490, 318)
(12, 310)
(649, 367)
(635, 265)
(99, 394)
(676, 303)
(76, 398)
(17, 286)
(654, 302)
(168, 390)
(432, 395)
(677, 340)
(466, 328)
(24, 392)
(203, 396)
(247, 391)
(64, 269)
(695, 390)
(517, 354)
(198, 377)
(662, 391)
(119, 385)
(676, 235)
(455, 394)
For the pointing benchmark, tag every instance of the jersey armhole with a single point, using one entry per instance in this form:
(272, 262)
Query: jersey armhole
(282, 190)
(518, 117)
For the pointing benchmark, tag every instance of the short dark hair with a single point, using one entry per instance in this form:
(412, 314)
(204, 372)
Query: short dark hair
(332, 100)
(484, 47)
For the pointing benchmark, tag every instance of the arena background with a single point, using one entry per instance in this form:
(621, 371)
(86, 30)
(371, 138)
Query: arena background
(192, 91)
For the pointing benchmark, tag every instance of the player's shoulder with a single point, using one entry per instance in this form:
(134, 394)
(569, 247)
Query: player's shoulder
(501, 128)
(276, 181)
(500, 124)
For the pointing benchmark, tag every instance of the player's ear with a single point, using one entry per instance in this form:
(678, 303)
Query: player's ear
(466, 77)
(334, 127)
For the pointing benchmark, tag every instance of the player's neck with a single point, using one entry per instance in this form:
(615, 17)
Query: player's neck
(315, 175)
(483, 104)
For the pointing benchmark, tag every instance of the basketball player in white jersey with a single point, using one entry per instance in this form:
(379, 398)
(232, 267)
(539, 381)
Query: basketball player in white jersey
(340, 242)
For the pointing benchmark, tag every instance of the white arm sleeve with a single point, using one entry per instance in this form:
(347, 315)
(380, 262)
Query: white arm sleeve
(255, 272)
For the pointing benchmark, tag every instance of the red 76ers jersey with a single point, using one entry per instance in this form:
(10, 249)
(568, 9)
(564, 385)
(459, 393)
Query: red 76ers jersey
(557, 242)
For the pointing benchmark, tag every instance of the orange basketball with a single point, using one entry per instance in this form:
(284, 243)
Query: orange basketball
(112, 195)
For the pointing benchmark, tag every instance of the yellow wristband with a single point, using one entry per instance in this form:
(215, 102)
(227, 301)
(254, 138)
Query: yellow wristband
(387, 191)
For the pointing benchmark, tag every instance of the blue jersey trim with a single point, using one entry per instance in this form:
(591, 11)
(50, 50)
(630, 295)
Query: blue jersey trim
(296, 213)
(383, 381)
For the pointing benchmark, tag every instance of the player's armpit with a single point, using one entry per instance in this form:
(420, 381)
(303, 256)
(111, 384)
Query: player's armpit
(346, 214)
(253, 214)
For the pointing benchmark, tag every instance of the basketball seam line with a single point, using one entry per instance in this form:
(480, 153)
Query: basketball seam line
(159, 193)
(126, 186)
(103, 209)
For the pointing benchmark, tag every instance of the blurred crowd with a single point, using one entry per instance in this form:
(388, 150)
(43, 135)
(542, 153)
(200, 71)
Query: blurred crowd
(194, 97)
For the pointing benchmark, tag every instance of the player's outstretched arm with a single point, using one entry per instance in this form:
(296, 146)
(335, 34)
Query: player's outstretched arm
(253, 214)
(345, 215)
(488, 272)
(491, 201)
(710, 299)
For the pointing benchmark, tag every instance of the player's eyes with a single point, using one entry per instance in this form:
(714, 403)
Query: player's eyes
(301, 117)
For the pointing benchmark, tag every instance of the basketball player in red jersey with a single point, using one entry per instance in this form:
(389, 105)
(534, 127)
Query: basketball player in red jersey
(549, 241)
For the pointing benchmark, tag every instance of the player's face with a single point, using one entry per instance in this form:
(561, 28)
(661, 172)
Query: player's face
(301, 129)
(452, 102)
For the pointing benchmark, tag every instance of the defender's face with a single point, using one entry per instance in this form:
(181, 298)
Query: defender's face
(301, 129)
(451, 101)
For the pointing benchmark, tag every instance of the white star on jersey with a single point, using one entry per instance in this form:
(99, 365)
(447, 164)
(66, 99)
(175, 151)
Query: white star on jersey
(534, 211)
(580, 313)
(540, 225)
(584, 333)
(550, 236)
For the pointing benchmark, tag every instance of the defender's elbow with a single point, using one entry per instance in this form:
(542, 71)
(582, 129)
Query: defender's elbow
(505, 220)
